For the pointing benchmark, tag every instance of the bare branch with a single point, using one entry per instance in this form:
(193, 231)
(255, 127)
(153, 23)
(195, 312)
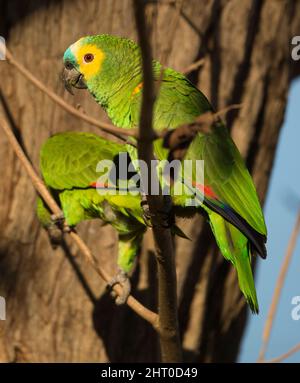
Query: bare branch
(195, 65)
(286, 355)
(37, 182)
(179, 139)
(202, 123)
(167, 301)
(40, 187)
(278, 288)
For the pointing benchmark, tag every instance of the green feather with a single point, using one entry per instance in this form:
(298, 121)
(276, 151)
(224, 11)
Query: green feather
(234, 247)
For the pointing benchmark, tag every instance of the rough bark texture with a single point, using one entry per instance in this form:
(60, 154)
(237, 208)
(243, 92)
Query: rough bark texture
(57, 308)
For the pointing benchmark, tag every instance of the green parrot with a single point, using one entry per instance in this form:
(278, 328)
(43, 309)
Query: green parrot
(68, 163)
(110, 68)
(84, 174)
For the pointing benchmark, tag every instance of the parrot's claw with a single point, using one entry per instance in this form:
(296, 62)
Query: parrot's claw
(146, 212)
(122, 279)
(57, 228)
(59, 221)
(166, 217)
(55, 235)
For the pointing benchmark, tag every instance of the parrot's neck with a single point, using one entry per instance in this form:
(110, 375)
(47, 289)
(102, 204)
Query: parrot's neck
(118, 82)
(116, 94)
(118, 86)
(119, 105)
(120, 94)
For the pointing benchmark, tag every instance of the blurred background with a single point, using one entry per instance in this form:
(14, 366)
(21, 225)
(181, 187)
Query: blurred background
(57, 308)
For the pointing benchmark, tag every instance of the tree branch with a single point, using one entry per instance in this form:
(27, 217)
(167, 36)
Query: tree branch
(195, 65)
(167, 300)
(40, 187)
(287, 354)
(278, 288)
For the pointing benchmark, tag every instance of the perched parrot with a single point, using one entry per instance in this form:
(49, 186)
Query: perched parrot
(69, 164)
(110, 68)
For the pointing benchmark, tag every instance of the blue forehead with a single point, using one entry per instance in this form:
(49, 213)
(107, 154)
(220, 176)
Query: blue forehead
(69, 56)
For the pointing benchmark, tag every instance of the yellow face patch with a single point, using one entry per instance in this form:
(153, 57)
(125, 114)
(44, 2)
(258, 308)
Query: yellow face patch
(88, 67)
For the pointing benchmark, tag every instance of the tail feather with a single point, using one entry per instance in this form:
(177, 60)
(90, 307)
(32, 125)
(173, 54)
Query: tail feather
(235, 247)
(258, 240)
(246, 281)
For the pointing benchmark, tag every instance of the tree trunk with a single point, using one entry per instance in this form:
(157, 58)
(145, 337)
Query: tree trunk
(57, 308)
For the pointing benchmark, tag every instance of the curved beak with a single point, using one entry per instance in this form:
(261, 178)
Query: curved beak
(73, 78)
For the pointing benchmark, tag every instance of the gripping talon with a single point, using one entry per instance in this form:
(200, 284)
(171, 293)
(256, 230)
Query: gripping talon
(55, 235)
(122, 279)
(146, 212)
(59, 221)
(57, 228)
(166, 219)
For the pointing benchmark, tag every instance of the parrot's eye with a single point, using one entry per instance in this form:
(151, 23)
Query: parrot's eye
(88, 57)
(69, 65)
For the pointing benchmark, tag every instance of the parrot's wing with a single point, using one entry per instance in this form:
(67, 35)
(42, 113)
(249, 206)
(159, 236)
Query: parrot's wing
(227, 176)
(71, 162)
(178, 102)
(70, 159)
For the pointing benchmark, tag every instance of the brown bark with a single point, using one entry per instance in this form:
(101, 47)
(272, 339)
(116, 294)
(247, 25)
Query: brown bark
(57, 309)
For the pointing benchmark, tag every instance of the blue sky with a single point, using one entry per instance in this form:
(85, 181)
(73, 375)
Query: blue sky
(282, 202)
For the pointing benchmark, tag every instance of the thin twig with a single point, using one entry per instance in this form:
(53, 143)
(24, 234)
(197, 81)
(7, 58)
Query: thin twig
(287, 354)
(224, 111)
(195, 65)
(278, 288)
(106, 127)
(37, 182)
(167, 301)
(40, 187)
(203, 123)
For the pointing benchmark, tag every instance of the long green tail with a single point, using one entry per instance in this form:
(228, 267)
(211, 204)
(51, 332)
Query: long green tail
(235, 247)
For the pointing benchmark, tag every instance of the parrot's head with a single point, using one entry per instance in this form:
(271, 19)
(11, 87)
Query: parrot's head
(100, 63)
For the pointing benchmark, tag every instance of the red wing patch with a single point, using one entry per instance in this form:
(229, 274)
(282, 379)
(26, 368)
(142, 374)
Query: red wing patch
(98, 185)
(206, 190)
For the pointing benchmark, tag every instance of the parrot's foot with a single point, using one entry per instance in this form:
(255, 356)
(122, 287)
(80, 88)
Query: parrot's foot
(55, 235)
(59, 221)
(56, 229)
(122, 279)
(146, 211)
(165, 218)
